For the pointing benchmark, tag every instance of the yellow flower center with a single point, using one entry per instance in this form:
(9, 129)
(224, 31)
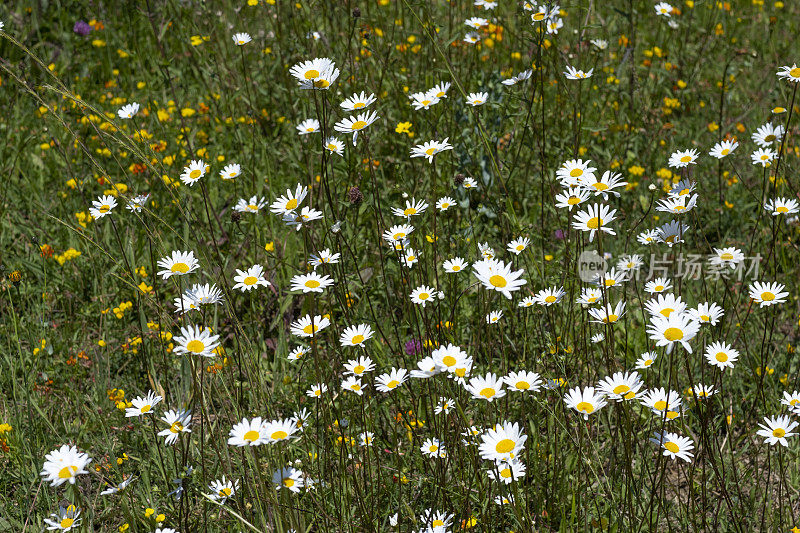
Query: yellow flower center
(538, 17)
(279, 435)
(671, 446)
(621, 389)
(312, 284)
(575, 172)
(250, 280)
(399, 235)
(686, 159)
(721, 357)
(769, 138)
(523, 385)
(705, 318)
(288, 482)
(195, 346)
(778, 432)
(67, 472)
(105, 208)
(497, 281)
(425, 102)
(359, 369)
(658, 288)
(666, 312)
(550, 299)
(66, 522)
(358, 339)
(456, 268)
(782, 209)
(594, 223)
(358, 124)
(226, 491)
(251, 436)
(430, 151)
(600, 186)
(409, 211)
(183, 268)
(506, 472)
(795, 72)
(767, 296)
(449, 360)
(310, 329)
(660, 405)
(487, 392)
(311, 74)
(424, 296)
(505, 446)
(610, 282)
(610, 318)
(392, 384)
(291, 204)
(673, 334)
(574, 200)
(359, 105)
(194, 174)
(585, 407)
(146, 408)
(176, 427)
(648, 362)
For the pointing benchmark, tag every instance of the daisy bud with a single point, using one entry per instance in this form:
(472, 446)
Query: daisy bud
(356, 13)
(458, 179)
(236, 216)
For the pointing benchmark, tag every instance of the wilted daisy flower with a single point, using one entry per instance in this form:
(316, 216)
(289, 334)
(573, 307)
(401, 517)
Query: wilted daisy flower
(595, 218)
(353, 384)
(248, 433)
(310, 125)
(607, 314)
(178, 264)
(63, 465)
(230, 172)
(790, 74)
(196, 340)
(707, 313)
(674, 445)
(288, 478)
(127, 111)
(575, 74)
(494, 317)
(517, 246)
(763, 156)
(178, 422)
(672, 233)
(249, 279)
(323, 257)
(646, 360)
(317, 390)
(767, 134)
(621, 386)
(777, 429)
(665, 304)
(507, 471)
(66, 519)
(585, 401)
(782, 206)
(222, 489)
(357, 101)
(253, 205)
(193, 173)
(289, 202)
(572, 172)
(359, 366)
(334, 145)
(549, 296)
(676, 328)
(391, 380)
(727, 256)
(663, 9)
(488, 387)
(723, 149)
(663, 403)
(355, 125)
(311, 282)
(142, 405)
(309, 327)
(496, 275)
(241, 39)
(422, 294)
(356, 335)
(430, 148)
(137, 203)
(766, 294)
(102, 206)
(683, 158)
(589, 296)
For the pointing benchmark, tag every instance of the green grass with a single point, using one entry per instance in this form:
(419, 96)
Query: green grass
(82, 334)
